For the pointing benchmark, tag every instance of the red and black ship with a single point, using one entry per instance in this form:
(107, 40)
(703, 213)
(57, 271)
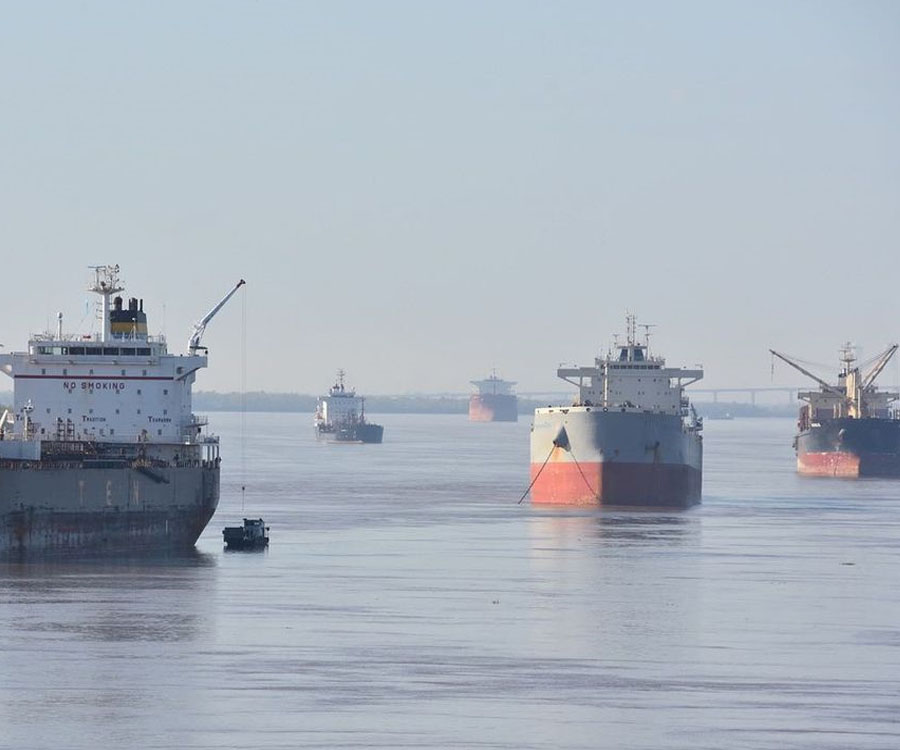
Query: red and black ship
(851, 429)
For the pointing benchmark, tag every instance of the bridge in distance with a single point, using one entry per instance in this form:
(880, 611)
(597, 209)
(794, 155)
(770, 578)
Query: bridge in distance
(746, 393)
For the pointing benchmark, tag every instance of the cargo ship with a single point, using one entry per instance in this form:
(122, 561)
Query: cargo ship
(494, 402)
(341, 417)
(100, 451)
(848, 429)
(631, 437)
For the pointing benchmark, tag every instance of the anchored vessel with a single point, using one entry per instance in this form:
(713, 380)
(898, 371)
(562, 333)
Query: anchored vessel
(101, 450)
(849, 429)
(341, 417)
(631, 438)
(254, 534)
(494, 402)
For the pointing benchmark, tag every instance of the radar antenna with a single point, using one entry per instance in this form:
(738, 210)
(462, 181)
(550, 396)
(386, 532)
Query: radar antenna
(647, 327)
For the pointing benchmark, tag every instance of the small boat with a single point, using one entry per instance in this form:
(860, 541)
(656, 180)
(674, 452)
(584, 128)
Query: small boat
(254, 534)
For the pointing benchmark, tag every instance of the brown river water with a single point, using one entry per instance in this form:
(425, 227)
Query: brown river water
(406, 600)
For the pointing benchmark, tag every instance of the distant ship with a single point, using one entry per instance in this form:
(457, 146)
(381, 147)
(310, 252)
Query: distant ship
(630, 439)
(101, 451)
(848, 429)
(341, 417)
(494, 402)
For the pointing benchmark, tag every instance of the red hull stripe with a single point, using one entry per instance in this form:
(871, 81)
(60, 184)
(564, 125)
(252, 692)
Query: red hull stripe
(850, 465)
(644, 485)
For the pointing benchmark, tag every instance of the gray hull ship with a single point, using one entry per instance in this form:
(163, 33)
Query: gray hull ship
(341, 417)
(100, 452)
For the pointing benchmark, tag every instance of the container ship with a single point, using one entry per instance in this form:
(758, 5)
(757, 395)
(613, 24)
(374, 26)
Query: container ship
(100, 451)
(849, 429)
(341, 417)
(631, 437)
(494, 402)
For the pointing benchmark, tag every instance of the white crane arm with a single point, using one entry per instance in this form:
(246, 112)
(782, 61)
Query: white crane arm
(878, 366)
(200, 327)
(827, 386)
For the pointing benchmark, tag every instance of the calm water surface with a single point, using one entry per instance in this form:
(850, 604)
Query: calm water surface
(408, 601)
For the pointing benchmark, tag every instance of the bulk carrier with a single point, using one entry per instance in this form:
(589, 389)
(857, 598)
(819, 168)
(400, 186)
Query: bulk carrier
(631, 437)
(341, 417)
(101, 451)
(848, 429)
(494, 402)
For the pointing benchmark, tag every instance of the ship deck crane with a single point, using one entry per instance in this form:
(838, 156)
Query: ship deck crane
(200, 327)
(825, 385)
(879, 365)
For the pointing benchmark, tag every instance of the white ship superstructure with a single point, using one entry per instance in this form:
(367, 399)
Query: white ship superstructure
(630, 379)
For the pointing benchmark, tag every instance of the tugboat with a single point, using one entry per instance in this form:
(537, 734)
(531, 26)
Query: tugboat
(254, 534)
(341, 417)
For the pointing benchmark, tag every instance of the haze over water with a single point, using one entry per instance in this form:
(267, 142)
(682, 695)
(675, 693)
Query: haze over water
(408, 601)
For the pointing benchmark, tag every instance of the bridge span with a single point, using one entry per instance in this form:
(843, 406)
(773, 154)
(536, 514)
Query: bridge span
(750, 393)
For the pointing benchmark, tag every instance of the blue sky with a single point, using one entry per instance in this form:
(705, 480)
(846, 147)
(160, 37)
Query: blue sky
(418, 192)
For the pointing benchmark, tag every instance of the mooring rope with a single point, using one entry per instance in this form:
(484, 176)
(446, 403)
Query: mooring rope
(581, 472)
(525, 494)
(243, 396)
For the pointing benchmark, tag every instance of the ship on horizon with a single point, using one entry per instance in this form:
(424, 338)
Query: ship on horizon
(630, 438)
(101, 451)
(849, 429)
(341, 416)
(494, 401)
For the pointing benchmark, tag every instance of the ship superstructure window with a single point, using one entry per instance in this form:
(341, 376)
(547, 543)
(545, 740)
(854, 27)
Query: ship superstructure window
(76, 350)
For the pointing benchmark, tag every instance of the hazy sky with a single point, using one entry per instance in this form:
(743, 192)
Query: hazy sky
(420, 191)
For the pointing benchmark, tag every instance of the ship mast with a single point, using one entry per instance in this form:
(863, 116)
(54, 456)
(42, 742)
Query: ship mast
(106, 284)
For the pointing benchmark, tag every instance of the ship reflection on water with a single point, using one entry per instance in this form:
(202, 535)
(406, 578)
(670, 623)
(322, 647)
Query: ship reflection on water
(614, 525)
(148, 598)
